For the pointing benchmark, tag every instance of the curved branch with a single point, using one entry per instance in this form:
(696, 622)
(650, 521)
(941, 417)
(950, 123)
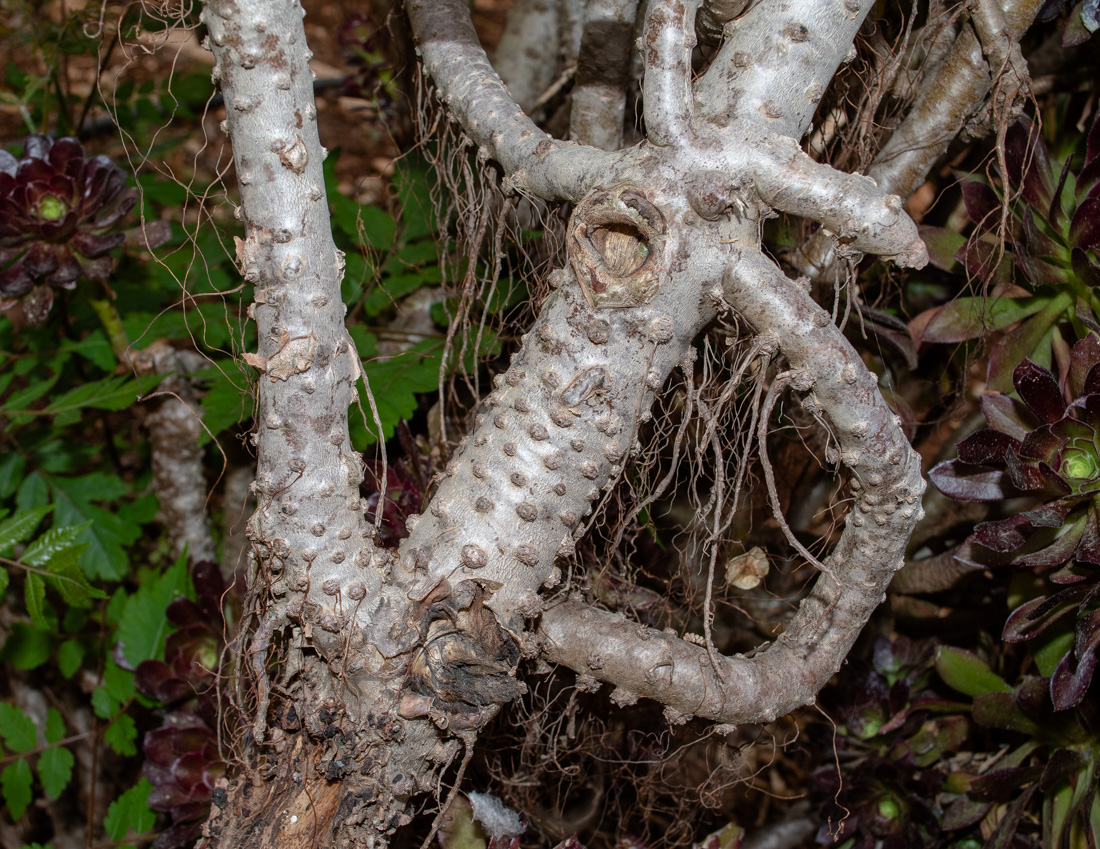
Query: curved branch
(478, 100)
(886, 484)
(666, 87)
(849, 205)
(945, 105)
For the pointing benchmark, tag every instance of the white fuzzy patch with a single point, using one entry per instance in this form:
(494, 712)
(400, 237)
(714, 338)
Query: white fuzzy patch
(496, 820)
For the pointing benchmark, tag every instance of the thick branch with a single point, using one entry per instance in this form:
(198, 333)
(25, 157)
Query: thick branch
(773, 70)
(476, 98)
(886, 485)
(946, 104)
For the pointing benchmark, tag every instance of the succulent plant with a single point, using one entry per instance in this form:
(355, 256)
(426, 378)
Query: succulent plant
(1046, 445)
(182, 759)
(1047, 276)
(59, 215)
(183, 764)
(894, 737)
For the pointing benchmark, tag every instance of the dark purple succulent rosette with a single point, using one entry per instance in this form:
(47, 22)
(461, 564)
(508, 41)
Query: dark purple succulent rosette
(183, 764)
(59, 213)
(1048, 449)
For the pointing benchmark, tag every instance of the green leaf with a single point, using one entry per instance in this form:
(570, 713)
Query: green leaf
(110, 531)
(968, 673)
(1052, 651)
(94, 347)
(378, 227)
(68, 580)
(55, 765)
(969, 318)
(19, 528)
(4, 580)
(116, 392)
(50, 544)
(34, 594)
(104, 706)
(121, 736)
(17, 729)
(15, 783)
(118, 681)
(26, 647)
(20, 401)
(130, 811)
(70, 655)
(33, 492)
(143, 626)
(395, 382)
(12, 464)
(225, 403)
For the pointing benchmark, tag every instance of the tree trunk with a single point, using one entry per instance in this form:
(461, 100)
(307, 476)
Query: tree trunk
(369, 670)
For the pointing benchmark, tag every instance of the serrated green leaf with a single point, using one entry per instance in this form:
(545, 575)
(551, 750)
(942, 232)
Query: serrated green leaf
(50, 544)
(15, 783)
(34, 596)
(55, 769)
(121, 735)
(26, 647)
(94, 347)
(70, 655)
(968, 673)
(55, 765)
(143, 626)
(19, 528)
(19, 401)
(55, 726)
(110, 531)
(130, 811)
(104, 706)
(68, 580)
(116, 392)
(378, 227)
(224, 405)
(17, 729)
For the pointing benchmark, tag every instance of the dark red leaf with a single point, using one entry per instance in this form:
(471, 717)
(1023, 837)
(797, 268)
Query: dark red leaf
(1033, 617)
(1000, 785)
(986, 447)
(967, 483)
(1039, 390)
(1003, 535)
(1072, 677)
(981, 202)
(1085, 269)
(1084, 227)
(1048, 551)
(1028, 165)
(1008, 415)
